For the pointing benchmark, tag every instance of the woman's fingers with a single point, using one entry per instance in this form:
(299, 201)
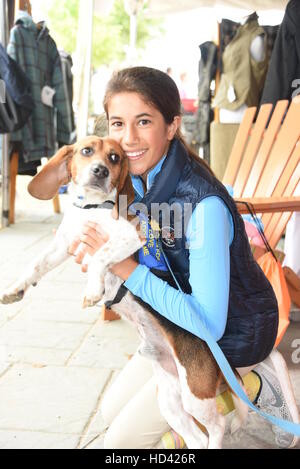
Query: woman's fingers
(89, 241)
(74, 245)
(79, 250)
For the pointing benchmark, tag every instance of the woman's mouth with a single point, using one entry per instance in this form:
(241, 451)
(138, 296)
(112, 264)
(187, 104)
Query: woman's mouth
(135, 155)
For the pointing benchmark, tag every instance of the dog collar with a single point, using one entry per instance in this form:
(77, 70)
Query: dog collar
(107, 204)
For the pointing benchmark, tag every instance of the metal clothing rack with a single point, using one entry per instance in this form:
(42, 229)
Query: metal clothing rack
(4, 31)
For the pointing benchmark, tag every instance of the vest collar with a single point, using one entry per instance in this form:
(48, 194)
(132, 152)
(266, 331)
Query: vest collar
(167, 179)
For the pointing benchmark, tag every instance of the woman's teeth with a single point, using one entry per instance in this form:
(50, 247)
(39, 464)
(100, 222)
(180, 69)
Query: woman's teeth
(134, 154)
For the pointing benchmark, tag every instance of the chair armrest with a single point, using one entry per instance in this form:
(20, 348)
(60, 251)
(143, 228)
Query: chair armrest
(269, 204)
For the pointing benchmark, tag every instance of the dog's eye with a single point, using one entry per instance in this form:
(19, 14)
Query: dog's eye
(114, 158)
(88, 151)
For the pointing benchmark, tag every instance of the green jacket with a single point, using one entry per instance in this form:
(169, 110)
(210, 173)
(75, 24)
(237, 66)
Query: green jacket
(36, 52)
(243, 78)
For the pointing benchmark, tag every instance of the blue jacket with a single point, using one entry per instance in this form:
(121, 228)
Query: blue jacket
(252, 322)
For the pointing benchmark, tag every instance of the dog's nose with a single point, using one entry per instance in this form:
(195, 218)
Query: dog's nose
(100, 171)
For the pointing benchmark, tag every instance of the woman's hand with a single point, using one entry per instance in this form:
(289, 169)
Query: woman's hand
(91, 239)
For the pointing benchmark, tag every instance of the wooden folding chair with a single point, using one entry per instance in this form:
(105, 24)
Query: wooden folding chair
(264, 165)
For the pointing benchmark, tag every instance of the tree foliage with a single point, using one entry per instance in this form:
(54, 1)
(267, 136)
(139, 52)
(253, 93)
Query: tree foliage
(110, 33)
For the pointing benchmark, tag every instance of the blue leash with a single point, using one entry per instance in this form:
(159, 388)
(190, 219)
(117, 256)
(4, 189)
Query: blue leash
(220, 358)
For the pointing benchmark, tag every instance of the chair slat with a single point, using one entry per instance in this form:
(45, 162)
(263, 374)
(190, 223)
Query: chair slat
(282, 150)
(268, 204)
(277, 222)
(252, 149)
(264, 151)
(288, 180)
(239, 146)
(279, 229)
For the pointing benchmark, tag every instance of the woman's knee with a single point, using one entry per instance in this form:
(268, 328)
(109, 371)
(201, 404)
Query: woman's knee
(118, 438)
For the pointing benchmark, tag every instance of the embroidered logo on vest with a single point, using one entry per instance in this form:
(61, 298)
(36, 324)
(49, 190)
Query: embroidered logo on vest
(168, 236)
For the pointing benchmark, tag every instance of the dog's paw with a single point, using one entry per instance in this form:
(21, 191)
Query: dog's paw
(92, 296)
(10, 297)
(89, 301)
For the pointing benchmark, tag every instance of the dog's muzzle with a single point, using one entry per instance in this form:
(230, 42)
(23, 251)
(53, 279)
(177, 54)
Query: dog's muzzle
(99, 171)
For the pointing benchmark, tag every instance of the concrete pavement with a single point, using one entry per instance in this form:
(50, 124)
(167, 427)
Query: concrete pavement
(57, 360)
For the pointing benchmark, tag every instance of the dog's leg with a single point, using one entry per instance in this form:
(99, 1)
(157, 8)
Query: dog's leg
(203, 410)
(55, 254)
(170, 404)
(112, 252)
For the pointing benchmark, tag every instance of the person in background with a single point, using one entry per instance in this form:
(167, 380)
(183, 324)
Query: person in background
(182, 85)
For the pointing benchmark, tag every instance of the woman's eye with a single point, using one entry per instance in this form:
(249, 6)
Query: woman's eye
(87, 151)
(116, 124)
(114, 158)
(144, 122)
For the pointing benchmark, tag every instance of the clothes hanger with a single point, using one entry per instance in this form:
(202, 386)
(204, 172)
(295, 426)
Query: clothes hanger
(253, 16)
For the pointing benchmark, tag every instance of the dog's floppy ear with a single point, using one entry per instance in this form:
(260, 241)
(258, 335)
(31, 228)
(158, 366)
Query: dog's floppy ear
(124, 188)
(54, 174)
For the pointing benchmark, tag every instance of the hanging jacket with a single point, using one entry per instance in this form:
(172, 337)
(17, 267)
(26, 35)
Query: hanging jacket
(283, 77)
(16, 103)
(36, 52)
(66, 65)
(207, 71)
(243, 78)
(252, 322)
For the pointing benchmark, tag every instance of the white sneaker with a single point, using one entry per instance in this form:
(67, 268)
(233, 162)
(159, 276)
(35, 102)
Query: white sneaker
(277, 397)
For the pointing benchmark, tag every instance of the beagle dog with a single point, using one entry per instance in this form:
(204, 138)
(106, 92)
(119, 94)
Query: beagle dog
(187, 374)
(98, 171)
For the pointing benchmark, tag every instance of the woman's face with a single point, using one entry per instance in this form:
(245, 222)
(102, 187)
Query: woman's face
(141, 130)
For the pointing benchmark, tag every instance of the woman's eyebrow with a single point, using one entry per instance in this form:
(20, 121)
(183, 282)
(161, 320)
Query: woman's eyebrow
(143, 114)
(138, 116)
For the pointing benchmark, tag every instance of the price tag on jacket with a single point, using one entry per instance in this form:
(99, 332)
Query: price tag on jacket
(231, 96)
(47, 94)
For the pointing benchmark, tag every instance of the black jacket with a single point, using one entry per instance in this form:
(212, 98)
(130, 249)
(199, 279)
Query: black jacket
(17, 103)
(283, 77)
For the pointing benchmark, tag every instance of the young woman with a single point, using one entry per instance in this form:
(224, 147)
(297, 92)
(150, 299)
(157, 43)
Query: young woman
(212, 262)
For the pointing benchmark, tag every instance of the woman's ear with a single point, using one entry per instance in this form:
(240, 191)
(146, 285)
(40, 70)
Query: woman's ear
(54, 174)
(173, 127)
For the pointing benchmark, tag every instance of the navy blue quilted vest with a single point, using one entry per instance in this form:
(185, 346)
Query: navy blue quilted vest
(252, 311)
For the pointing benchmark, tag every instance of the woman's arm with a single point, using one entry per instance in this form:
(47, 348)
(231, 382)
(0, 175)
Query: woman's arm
(209, 234)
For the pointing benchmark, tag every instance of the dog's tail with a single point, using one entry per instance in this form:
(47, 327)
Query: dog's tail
(241, 408)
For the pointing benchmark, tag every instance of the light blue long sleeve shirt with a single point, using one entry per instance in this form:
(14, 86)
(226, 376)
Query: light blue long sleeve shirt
(209, 235)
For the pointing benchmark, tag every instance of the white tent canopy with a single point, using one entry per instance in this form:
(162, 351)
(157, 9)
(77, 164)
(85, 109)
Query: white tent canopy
(161, 7)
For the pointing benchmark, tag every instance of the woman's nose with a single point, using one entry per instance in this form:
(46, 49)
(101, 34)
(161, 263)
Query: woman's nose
(130, 135)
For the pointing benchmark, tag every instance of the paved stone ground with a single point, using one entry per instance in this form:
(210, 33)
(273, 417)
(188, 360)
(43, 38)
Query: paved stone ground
(57, 360)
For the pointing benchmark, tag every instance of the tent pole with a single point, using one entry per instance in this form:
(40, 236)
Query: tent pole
(4, 30)
(83, 65)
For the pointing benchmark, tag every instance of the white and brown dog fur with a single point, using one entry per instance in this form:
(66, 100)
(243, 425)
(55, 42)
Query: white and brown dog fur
(188, 376)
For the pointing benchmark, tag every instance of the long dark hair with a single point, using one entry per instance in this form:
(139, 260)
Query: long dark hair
(158, 89)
